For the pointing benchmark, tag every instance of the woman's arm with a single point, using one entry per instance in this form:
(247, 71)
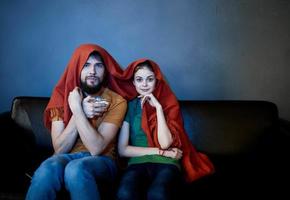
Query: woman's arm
(163, 133)
(127, 150)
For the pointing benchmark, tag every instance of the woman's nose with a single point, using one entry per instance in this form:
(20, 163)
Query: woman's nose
(144, 83)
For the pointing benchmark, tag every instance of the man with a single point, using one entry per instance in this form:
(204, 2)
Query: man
(83, 129)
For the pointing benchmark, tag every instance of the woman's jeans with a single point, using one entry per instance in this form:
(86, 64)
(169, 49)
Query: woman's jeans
(150, 181)
(80, 173)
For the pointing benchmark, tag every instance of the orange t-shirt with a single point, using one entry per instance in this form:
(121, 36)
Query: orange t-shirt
(115, 114)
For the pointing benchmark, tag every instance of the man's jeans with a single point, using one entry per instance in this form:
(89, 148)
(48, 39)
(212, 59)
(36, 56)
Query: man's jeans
(79, 173)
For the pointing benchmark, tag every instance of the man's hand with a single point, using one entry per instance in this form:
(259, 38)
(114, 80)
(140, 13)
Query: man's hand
(93, 108)
(75, 99)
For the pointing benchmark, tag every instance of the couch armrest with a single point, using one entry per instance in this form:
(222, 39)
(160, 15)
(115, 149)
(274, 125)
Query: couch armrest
(284, 127)
(17, 154)
(27, 115)
(16, 141)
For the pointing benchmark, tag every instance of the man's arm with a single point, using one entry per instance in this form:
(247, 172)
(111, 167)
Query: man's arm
(101, 138)
(94, 140)
(63, 138)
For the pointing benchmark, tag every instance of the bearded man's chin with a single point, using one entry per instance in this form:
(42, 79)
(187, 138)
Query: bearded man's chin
(91, 89)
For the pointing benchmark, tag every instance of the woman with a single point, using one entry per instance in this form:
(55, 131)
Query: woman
(153, 137)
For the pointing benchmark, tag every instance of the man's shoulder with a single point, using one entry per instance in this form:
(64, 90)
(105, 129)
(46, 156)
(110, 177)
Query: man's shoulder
(115, 97)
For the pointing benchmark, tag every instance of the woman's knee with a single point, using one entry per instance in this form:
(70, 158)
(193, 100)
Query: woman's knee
(125, 193)
(130, 186)
(158, 193)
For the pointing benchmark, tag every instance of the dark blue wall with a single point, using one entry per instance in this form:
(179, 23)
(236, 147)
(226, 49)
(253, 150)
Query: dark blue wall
(210, 49)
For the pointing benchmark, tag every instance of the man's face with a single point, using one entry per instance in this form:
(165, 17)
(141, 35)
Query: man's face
(92, 74)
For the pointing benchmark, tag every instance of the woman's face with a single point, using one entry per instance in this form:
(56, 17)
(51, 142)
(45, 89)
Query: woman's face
(144, 81)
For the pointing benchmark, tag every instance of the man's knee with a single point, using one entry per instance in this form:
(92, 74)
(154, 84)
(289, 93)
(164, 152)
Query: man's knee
(49, 170)
(75, 170)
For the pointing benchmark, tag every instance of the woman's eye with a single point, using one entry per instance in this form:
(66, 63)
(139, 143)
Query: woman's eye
(151, 79)
(100, 65)
(86, 65)
(139, 80)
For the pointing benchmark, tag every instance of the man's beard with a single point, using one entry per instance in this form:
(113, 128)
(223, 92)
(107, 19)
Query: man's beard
(91, 89)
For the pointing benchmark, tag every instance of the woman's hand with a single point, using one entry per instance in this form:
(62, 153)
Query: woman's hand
(172, 153)
(151, 100)
(93, 108)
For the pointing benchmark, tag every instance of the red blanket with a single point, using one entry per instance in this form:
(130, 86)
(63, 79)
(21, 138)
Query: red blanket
(195, 164)
(71, 79)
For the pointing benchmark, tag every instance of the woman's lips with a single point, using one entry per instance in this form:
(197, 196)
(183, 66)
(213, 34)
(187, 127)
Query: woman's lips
(144, 90)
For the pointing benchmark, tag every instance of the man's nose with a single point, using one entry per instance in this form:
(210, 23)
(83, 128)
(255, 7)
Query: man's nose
(92, 70)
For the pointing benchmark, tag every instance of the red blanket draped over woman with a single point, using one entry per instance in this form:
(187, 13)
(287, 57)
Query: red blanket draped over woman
(195, 164)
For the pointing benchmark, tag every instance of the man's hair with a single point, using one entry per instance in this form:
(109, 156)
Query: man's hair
(97, 54)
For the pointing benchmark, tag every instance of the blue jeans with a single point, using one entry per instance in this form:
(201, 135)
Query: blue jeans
(80, 173)
(149, 181)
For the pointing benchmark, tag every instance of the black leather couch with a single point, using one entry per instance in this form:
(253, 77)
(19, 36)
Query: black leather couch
(247, 142)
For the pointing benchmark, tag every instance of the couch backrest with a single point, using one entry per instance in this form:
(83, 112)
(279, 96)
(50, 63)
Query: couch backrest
(228, 127)
(27, 112)
(215, 127)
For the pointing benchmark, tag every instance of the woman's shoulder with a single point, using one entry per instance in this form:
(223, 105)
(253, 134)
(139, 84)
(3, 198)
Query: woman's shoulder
(133, 102)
